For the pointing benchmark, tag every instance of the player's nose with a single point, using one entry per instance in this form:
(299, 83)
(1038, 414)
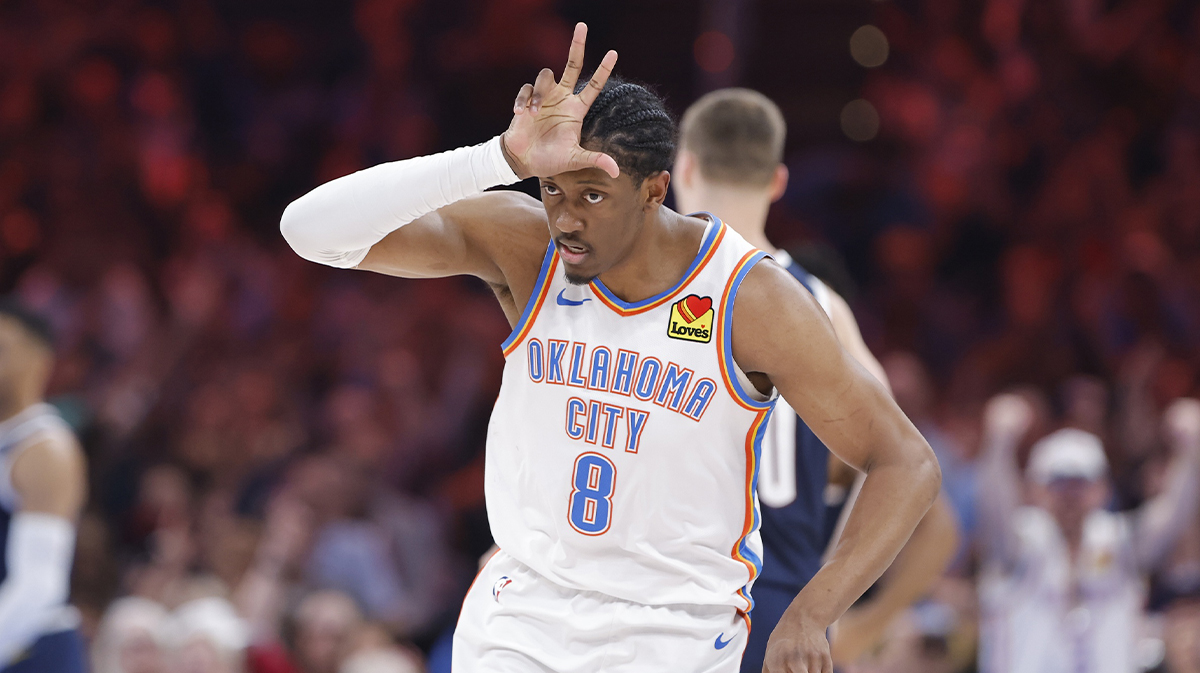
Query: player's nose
(568, 223)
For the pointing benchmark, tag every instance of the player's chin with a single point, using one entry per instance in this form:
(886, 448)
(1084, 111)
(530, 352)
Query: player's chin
(578, 276)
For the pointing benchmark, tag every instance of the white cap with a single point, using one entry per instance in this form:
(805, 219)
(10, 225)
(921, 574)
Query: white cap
(1067, 454)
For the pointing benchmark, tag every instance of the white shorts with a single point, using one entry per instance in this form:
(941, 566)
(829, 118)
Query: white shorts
(516, 621)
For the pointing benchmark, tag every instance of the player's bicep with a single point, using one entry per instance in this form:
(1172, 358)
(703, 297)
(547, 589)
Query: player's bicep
(781, 331)
(469, 237)
(49, 477)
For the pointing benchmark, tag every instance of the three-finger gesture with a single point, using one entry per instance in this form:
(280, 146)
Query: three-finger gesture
(543, 138)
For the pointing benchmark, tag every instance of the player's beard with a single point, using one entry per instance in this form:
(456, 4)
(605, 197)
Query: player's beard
(576, 279)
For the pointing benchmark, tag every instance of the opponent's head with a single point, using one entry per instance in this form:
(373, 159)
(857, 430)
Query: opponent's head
(594, 218)
(730, 139)
(26, 353)
(1068, 476)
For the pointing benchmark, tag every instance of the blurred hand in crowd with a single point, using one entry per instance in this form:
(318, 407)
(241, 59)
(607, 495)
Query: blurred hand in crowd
(1008, 417)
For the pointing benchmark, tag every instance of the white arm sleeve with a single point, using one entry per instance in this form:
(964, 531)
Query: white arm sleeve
(338, 222)
(40, 550)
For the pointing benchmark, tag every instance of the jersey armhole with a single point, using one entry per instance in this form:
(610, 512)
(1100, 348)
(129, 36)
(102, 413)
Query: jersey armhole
(536, 298)
(736, 381)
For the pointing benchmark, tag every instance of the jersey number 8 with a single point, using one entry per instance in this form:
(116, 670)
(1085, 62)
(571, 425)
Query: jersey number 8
(590, 508)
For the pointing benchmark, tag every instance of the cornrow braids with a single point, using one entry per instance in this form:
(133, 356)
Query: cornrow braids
(631, 124)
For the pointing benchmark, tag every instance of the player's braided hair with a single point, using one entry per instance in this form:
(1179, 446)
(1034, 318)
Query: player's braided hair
(631, 124)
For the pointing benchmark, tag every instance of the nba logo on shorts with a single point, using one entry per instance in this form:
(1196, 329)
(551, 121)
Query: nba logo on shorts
(499, 586)
(692, 319)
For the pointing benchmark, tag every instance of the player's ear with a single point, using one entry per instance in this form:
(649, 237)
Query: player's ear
(779, 182)
(655, 187)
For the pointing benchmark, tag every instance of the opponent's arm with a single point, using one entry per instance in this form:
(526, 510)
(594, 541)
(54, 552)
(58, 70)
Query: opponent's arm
(49, 480)
(779, 331)
(1006, 419)
(848, 334)
(917, 567)
(926, 554)
(1159, 522)
(429, 216)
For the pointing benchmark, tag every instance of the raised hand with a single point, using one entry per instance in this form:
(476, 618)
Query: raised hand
(1181, 423)
(1008, 417)
(543, 138)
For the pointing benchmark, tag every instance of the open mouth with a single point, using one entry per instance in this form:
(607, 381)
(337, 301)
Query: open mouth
(572, 253)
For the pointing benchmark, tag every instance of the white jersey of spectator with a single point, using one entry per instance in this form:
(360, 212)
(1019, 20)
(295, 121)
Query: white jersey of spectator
(1045, 614)
(622, 449)
(1044, 608)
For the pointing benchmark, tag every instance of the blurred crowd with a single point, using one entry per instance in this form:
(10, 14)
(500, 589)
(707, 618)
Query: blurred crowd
(286, 460)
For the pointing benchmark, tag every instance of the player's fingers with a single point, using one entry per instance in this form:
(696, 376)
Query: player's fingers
(599, 78)
(542, 86)
(589, 159)
(575, 57)
(522, 100)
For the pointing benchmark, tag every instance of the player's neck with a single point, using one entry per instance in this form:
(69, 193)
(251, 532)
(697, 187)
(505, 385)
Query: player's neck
(661, 256)
(742, 208)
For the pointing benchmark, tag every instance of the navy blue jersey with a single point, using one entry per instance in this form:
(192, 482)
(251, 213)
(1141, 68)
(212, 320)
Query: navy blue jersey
(796, 522)
(796, 526)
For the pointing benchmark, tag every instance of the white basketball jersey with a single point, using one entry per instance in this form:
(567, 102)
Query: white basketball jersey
(622, 452)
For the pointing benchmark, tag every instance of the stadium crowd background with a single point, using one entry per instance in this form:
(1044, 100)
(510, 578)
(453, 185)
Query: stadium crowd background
(306, 444)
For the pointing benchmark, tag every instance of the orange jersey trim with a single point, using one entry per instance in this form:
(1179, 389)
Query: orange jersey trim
(607, 298)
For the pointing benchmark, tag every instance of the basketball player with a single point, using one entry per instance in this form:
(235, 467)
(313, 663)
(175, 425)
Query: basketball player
(42, 485)
(642, 368)
(730, 164)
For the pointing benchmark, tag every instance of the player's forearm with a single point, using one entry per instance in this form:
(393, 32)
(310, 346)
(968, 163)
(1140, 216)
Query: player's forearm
(40, 551)
(893, 499)
(337, 223)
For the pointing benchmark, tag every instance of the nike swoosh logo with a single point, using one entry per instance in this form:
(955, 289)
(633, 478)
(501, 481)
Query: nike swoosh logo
(563, 301)
(721, 645)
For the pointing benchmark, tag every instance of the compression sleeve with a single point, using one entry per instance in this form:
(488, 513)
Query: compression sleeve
(337, 223)
(40, 550)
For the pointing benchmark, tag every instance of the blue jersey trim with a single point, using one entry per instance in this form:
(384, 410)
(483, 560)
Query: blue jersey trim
(534, 297)
(727, 361)
(705, 245)
(743, 548)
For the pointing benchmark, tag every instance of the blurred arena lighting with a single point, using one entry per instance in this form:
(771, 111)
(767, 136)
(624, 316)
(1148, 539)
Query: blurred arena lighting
(869, 46)
(714, 51)
(860, 121)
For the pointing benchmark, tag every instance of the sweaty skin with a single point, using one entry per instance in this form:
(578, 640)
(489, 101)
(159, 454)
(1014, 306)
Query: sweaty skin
(933, 543)
(640, 248)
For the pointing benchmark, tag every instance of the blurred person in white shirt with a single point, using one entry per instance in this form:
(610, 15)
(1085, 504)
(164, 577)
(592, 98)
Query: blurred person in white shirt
(132, 637)
(1063, 584)
(209, 637)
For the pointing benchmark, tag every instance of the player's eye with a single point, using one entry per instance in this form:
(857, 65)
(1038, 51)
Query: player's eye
(550, 189)
(594, 198)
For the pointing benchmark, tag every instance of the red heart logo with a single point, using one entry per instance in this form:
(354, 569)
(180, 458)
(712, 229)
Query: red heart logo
(694, 307)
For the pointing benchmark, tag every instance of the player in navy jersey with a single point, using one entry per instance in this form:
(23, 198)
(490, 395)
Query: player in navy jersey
(42, 477)
(729, 164)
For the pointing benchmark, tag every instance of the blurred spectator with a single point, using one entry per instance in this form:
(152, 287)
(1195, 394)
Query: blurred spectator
(1062, 587)
(133, 637)
(210, 637)
(326, 625)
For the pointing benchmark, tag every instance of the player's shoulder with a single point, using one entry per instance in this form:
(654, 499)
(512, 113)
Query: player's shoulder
(769, 288)
(514, 224)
